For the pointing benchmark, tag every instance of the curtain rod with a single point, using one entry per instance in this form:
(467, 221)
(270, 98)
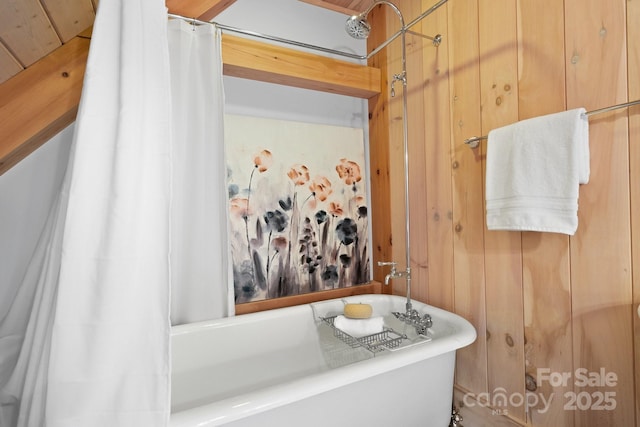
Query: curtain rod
(474, 141)
(256, 34)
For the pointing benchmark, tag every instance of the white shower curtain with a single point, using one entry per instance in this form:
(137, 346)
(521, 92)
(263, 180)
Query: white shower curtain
(199, 256)
(131, 226)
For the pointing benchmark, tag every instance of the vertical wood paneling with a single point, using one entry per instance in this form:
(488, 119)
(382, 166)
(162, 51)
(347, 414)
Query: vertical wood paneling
(438, 211)
(546, 301)
(600, 250)
(545, 256)
(417, 49)
(393, 65)
(633, 42)
(541, 82)
(468, 201)
(503, 258)
(26, 30)
(379, 119)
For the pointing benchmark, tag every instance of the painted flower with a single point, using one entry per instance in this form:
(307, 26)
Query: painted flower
(330, 274)
(280, 243)
(321, 216)
(286, 204)
(233, 190)
(345, 260)
(263, 160)
(349, 171)
(335, 209)
(299, 174)
(346, 231)
(276, 220)
(239, 207)
(321, 188)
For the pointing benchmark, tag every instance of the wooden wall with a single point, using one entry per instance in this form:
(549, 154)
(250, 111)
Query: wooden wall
(538, 300)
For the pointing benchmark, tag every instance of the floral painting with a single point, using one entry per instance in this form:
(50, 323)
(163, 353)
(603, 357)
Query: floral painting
(298, 207)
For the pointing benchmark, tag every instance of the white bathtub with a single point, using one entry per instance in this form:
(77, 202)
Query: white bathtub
(285, 367)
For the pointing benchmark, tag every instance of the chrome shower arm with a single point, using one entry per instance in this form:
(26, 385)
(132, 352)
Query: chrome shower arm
(391, 5)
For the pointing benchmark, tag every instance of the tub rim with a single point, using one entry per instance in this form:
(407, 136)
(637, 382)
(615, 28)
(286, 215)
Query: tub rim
(271, 397)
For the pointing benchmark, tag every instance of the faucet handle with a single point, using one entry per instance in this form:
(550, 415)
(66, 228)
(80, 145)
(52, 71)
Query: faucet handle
(391, 263)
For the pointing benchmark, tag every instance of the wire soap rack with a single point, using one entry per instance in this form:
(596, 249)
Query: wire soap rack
(388, 339)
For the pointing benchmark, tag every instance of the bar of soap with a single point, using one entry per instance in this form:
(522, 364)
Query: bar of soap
(357, 311)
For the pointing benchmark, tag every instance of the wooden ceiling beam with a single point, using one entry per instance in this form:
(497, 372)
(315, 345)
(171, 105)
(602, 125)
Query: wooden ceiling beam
(348, 7)
(264, 62)
(42, 100)
(204, 10)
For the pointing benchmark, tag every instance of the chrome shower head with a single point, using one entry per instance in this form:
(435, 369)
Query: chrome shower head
(358, 27)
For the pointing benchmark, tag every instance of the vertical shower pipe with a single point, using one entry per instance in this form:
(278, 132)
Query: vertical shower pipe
(358, 27)
(405, 127)
(405, 144)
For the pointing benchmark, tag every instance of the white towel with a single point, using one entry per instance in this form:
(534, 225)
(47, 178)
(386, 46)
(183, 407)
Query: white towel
(359, 327)
(534, 168)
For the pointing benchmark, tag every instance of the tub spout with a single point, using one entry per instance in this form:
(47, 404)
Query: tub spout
(410, 316)
(394, 273)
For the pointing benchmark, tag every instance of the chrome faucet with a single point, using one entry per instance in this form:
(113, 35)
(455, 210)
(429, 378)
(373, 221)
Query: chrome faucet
(413, 318)
(410, 316)
(394, 273)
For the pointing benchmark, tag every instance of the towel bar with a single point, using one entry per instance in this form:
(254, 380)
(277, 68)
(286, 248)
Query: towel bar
(474, 141)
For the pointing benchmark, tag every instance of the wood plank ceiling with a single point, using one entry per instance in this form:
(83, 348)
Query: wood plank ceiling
(32, 29)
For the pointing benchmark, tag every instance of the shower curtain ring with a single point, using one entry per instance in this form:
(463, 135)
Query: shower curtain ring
(193, 24)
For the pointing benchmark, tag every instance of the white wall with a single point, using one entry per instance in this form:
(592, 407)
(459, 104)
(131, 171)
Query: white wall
(294, 20)
(28, 190)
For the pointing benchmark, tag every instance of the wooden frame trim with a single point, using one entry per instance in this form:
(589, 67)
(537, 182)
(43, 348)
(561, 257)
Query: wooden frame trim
(270, 304)
(270, 63)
